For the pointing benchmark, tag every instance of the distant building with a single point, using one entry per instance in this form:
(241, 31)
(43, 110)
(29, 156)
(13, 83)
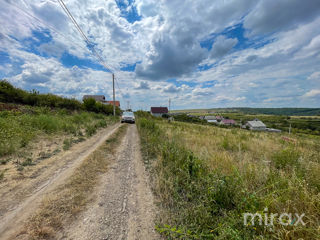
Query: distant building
(210, 119)
(98, 98)
(228, 122)
(273, 130)
(256, 125)
(117, 103)
(102, 99)
(219, 118)
(158, 111)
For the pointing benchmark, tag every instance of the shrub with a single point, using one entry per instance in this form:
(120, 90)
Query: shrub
(67, 143)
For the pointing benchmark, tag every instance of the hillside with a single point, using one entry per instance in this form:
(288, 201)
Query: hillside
(208, 178)
(269, 111)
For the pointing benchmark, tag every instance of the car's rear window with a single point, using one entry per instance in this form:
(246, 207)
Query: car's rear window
(128, 114)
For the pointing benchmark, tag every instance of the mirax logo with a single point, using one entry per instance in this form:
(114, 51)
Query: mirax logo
(266, 219)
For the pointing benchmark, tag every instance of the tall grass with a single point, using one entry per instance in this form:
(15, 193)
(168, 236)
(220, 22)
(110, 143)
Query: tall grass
(207, 177)
(18, 128)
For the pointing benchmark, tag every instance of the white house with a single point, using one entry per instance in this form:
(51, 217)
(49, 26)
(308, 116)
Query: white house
(256, 125)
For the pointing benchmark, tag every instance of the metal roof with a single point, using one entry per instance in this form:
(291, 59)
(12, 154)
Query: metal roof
(256, 124)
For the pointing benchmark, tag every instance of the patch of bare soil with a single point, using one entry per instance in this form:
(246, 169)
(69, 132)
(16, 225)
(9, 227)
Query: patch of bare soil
(21, 196)
(123, 206)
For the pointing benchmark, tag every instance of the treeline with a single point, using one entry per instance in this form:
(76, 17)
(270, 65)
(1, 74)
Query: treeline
(282, 111)
(11, 94)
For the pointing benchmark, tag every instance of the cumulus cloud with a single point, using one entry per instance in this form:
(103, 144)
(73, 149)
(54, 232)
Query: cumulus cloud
(143, 85)
(165, 42)
(170, 59)
(175, 48)
(222, 46)
(171, 89)
(312, 93)
(270, 16)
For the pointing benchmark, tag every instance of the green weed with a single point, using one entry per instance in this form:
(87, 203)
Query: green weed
(67, 143)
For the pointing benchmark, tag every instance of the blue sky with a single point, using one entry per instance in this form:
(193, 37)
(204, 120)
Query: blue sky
(200, 54)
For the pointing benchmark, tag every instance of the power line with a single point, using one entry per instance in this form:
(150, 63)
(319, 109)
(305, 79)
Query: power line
(47, 25)
(64, 7)
(66, 10)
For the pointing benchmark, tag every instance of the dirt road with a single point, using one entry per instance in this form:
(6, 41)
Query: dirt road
(19, 202)
(124, 203)
(123, 208)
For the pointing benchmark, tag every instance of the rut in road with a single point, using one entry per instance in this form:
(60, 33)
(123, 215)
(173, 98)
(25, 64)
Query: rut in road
(17, 205)
(124, 207)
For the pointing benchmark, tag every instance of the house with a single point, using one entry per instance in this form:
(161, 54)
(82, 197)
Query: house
(98, 98)
(256, 125)
(219, 118)
(228, 122)
(117, 103)
(158, 111)
(211, 119)
(102, 99)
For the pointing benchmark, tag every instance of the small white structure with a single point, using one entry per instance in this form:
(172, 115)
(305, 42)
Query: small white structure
(273, 130)
(256, 125)
(210, 119)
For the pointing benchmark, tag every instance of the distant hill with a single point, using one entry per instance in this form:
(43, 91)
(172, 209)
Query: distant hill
(269, 111)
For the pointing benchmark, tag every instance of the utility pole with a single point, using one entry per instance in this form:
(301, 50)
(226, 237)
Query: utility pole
(169, 104)
(114, 96)
(290, 129)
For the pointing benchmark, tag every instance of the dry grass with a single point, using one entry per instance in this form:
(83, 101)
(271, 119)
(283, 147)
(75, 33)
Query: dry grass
(62, 205)
(283, 175)
(207, 177)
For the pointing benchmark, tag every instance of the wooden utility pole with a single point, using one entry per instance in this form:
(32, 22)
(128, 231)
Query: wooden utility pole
(169, 105)
(114, 96)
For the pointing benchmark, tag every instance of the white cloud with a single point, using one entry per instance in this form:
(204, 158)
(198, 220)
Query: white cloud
(166, 41)
(312, 93)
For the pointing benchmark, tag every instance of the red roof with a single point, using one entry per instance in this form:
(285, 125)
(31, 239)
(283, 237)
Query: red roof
(117, 103)
(228, 121)
(159, 110)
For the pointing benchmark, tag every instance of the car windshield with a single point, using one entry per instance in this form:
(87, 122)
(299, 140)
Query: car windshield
(128, 114)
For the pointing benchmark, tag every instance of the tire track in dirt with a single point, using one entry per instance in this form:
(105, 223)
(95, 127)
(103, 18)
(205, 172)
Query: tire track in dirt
(124, 207)
(15, 214)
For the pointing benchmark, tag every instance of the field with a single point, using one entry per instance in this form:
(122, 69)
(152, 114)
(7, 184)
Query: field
(267, 111)
(299, 124)
(206, 178)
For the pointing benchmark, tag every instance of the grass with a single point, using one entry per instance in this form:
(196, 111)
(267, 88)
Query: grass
(71, 198)
(19, 127)
(207, 177)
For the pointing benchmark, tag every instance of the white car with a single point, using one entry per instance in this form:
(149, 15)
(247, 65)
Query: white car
(128, 117)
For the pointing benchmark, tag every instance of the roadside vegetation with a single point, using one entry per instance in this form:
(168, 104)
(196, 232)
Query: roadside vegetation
(11, 94)
(65, 202)
(26, 117)
(18, 128)
(207, 177)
